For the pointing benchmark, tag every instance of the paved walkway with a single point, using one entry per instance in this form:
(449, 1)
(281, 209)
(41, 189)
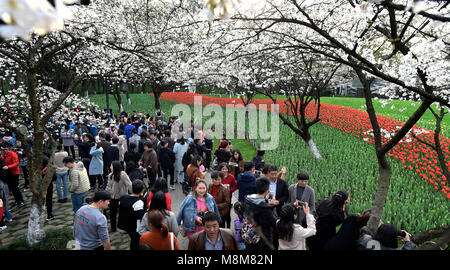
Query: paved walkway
(64, 218)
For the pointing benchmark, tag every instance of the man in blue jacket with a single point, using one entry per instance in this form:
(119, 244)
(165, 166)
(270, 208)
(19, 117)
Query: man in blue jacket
(246, 181)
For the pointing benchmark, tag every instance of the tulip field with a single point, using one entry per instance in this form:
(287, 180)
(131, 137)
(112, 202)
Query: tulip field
(419, 196)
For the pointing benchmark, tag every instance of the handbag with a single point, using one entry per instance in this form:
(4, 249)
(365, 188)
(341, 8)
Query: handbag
(171, 242)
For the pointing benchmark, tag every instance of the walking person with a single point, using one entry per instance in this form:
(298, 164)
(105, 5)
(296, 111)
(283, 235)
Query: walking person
(159, 238)
(105, 144)
(23, 163)
(209, 145)
(212, 237)
(238, 224)
(4, 191)
(134, 172)
(166, 158)
(67, 136)
(90, 228)
(159, 203)
(221, 196)
(246, 181)
(229, 182)
(12, 166)
(236, 163)
(194, 207)
(78, 182)
(193, 170)
(111, 155)
(132, 209)
(291, 236)
(123, 148)
(131, 154)
(179, 149)
(49, 195)
(259, 213)
(160, 185)
(96, 167)
(62, 174)
(149, 163)
(119, 185)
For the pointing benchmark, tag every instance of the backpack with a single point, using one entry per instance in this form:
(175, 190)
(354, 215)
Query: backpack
(187, 182)
(249, 234)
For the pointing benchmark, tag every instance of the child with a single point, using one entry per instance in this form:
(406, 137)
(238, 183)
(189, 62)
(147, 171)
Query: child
(238, 223)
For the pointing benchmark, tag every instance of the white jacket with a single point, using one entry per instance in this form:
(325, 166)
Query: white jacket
(299, 235)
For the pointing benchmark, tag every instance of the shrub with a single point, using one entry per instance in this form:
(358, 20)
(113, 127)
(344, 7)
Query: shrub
(54, 240)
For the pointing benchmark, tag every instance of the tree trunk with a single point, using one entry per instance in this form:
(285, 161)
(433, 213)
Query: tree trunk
(128, 97)
(85, 87)
(36, 221)
(437, 143)
(143, 88)
(118, 98)
(157, 101)
(313, 148)
(384, 181)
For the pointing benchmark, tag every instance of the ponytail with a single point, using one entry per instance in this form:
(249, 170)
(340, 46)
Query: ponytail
(238, 207)
(155, 219)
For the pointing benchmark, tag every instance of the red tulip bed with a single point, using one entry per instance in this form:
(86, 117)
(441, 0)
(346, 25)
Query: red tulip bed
(414, 155)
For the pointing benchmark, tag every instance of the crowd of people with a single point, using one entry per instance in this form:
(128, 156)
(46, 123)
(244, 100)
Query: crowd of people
(132, 163)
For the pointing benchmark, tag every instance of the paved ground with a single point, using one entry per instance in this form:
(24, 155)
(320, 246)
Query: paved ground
(64, 218)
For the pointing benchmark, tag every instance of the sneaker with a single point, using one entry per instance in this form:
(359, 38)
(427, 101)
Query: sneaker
(50, 218)
(172, 187)
(60, 200)
(21, 204)
(64, 200)
(3, 228)
(8, 220)
(26, 188)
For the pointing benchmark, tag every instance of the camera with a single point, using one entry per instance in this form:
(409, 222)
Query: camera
(402, 234)
(301, 203)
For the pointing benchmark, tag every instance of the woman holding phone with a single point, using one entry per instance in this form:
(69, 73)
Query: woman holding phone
(194, 207)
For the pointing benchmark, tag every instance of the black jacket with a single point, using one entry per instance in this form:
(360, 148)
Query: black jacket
(135, 174)
(327, 221)
(111, 155)
(187, 157)
(131, 210)
(84, 148)
(282, 194)
(166, 158)
(131, 156)
(347, 236)
(105, 145)
(222, 156)
(262, 214)
(201, 149)
(259, 163)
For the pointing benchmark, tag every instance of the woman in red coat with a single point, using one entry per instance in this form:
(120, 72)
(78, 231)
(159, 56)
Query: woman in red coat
(12, 165)
(229, 182)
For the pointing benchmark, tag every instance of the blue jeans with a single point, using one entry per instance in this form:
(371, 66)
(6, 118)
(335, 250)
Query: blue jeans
(64, 178)
(177, 173)
(8, 214)
(77, 200)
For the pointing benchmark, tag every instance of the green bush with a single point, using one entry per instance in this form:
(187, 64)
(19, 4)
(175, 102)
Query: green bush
(54, 240)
